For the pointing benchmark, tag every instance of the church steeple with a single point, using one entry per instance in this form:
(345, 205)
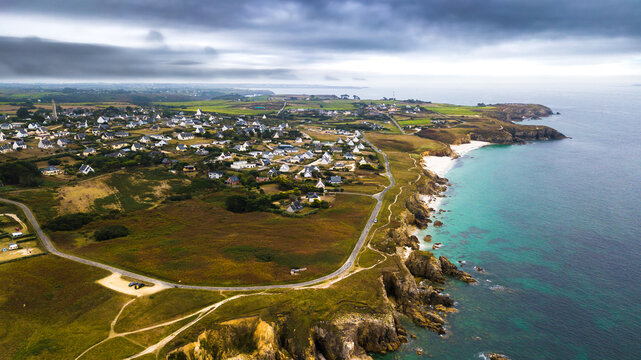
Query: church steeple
(54, 114)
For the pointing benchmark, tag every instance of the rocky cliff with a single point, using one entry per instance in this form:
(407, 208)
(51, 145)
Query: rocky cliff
(516, 134)
(517, 112)
(349, 336)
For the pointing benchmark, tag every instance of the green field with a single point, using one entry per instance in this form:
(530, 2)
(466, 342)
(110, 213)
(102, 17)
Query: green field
(199, 242)
(426, 121)
(51, 308)
(447, 109)
(230, 107)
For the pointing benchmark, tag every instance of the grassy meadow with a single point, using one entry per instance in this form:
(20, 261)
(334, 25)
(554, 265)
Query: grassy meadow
(199, 242)
(52, 308)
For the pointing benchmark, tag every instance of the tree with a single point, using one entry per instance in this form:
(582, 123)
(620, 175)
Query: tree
(69, 222)
(23, 113)
(110, 232)
(21, 173)
(236, 203)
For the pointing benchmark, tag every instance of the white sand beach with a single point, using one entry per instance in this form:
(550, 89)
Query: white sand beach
(441, 165)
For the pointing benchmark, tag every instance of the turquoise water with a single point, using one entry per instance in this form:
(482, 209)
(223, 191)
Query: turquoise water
(557, 228)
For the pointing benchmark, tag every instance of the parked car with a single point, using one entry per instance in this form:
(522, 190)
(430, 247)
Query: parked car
(133, 283)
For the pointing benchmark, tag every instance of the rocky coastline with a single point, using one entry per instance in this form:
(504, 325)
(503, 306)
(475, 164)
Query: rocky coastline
(409, 283)
(411, 288)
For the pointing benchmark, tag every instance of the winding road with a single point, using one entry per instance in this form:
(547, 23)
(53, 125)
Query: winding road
(395, 123)
(46, 241)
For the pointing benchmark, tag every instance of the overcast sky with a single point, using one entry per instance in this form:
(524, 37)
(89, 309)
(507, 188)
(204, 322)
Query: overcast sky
(316, 41)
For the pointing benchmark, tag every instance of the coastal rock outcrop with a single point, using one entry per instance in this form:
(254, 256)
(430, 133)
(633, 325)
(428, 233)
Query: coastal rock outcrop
(450, 269)
(492, 356)
(350, 336)
(250, 338)
(353, 336)
(412, 301)
(425, 265)
(430, 184)
(419, 210)
(400, 236)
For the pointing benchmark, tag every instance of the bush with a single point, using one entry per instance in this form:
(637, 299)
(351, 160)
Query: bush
(69, 222)
(366, 167)
(110, 232)
(21, 173)
(319, 204)
(179, 197)
(242, 203)
(236, 203)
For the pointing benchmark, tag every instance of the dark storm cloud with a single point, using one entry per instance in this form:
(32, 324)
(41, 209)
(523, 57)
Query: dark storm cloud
(37, 58)
(371, 24)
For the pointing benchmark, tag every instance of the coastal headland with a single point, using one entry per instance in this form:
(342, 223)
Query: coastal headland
(310, 255)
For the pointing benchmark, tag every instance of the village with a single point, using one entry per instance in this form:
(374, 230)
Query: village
(240, 151)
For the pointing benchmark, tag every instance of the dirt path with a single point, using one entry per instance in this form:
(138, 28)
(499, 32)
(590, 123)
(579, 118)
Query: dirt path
(17, 219)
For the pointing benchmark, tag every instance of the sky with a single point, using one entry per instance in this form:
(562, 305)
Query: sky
(353, 43)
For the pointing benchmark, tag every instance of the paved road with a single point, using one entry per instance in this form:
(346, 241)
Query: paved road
(396, 123)
(283, 108)
(46, 241)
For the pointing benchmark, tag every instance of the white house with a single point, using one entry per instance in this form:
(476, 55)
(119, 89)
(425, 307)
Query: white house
(284, 168)
(85, 169)
(22, 133)
(45, 144)
(215, 175)
(2, 136)
(320, 184)
(326, 159)
(185, 136)
(88, 151)
(17, 145)
(311, 197)
(62, 142)
(242, 164)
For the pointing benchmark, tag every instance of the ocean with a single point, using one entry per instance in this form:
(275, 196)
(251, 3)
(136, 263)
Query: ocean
(556, 226)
